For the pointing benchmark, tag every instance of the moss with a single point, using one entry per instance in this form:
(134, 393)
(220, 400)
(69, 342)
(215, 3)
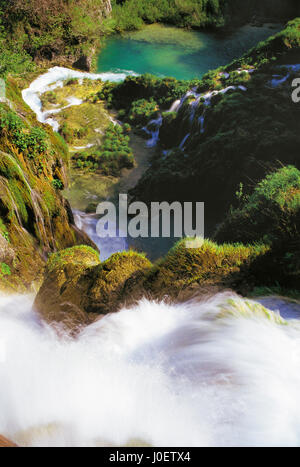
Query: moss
(4, 270)
(3, 230)
(81, 255)
(209, 264)
(77, 288)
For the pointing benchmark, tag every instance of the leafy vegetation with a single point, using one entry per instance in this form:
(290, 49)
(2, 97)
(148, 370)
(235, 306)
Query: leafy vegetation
(31, 142)
(4, 270)
(114, 154)
(133, 14)
(142, 111)
(37, 29)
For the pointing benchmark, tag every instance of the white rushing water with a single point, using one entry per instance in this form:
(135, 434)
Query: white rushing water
(165, 375)
(53, 79)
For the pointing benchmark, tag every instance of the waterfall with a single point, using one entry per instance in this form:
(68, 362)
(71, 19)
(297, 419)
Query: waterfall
(53, 79)
(158, 374)
(175, 106)
(182, 144)
(153, 129)
(278, 80)
(107, 246)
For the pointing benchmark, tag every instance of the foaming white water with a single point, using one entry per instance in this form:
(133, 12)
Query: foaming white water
(54, 78)
(166, 375)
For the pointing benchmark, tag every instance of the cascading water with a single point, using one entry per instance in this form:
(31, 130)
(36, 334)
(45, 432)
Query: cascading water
(53, 79)
(153, 129)
(158, 374)
(107, 246)
(278, 80)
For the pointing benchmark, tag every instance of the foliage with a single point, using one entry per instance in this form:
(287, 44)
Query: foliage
(142, 111)
(113, 155)
(3, 230)
(32, 142)
(132, 14)
(273, 48)
(39, 29)
(57, 184)
(209, 264)
(4, 270)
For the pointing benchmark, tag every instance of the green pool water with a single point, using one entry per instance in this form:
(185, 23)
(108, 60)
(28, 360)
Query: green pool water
(169, 51)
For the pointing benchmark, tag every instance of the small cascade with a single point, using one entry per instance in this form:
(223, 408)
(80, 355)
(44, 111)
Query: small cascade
(53, 79)
(201, 123)
(182, 144)
(175, 106)
(153, 129)
(107, 246)
(280, 79)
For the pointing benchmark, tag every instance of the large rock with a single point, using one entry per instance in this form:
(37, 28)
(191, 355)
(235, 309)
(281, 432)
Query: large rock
(78, 288)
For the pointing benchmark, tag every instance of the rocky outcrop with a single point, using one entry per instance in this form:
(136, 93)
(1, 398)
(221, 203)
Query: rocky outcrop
(78, 289)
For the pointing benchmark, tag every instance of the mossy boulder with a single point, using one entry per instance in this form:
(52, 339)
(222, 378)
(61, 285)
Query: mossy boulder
(189, 266)
(78, 288)
(270, 214)
(59, 297)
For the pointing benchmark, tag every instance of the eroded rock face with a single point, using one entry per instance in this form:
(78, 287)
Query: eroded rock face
(78, 289)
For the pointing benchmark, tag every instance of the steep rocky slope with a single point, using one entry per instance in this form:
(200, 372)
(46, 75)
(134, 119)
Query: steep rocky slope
(34, 217)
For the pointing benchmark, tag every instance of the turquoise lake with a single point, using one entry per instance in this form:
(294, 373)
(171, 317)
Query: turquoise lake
(169, 51)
